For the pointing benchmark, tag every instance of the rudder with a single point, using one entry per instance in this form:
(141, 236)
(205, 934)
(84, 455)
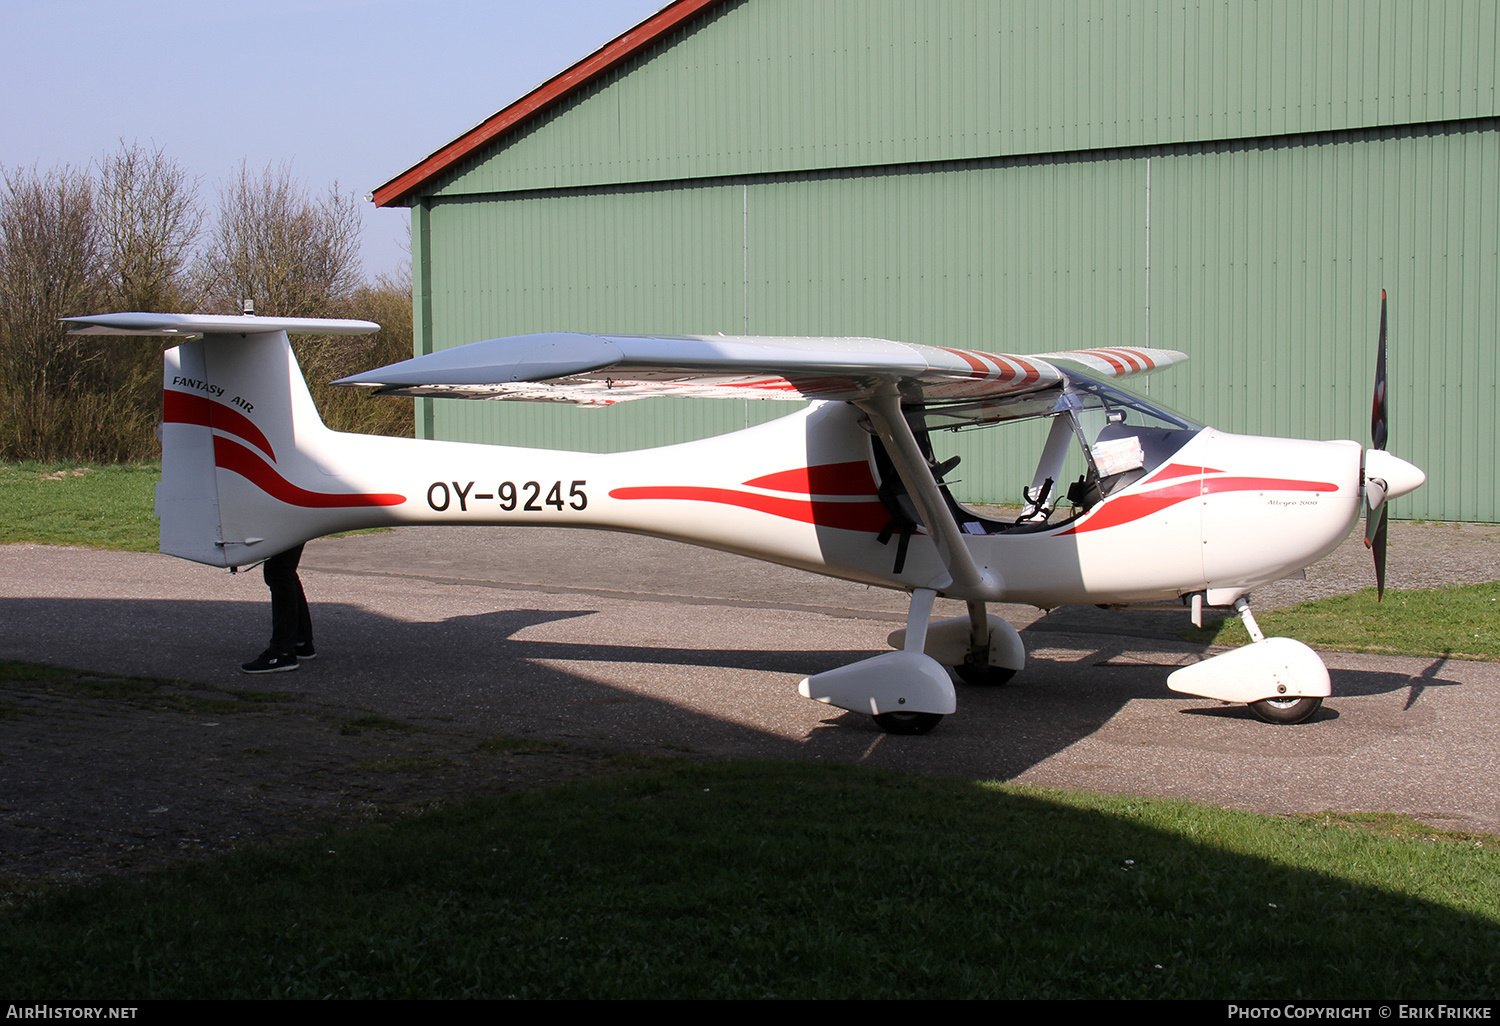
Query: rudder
(248, 467)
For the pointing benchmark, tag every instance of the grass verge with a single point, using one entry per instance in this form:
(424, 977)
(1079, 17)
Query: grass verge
(1461, 622)
(91, 505)
(94, 506)
(142, 692)
(741, 879)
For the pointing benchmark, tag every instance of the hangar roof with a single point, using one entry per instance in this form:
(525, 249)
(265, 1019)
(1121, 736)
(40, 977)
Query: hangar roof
(710, 89)
(559, 87)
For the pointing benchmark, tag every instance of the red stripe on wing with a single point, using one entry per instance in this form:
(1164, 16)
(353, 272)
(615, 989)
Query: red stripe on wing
(775, 384)
(1130, 356)
(977, 367)
(1109, 358)
(1032, 374)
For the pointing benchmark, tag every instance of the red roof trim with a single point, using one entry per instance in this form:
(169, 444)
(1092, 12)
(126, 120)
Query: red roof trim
(607, 57)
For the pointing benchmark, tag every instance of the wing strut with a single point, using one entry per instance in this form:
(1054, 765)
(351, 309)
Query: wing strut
(966, 579)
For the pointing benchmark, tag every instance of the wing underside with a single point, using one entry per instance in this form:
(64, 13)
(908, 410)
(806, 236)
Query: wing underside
(600, 370)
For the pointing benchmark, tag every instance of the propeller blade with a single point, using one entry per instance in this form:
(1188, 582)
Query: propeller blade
(1375, 492)
(1376, 488)
(1379, 549)
(1380, 412)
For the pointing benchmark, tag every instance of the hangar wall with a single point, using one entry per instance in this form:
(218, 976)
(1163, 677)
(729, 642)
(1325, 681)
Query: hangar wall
(1260, 255)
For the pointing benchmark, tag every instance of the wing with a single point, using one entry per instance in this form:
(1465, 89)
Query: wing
(606, 369)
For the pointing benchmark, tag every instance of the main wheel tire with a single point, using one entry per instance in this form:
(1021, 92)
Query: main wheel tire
(908, 722)
(986, 676)
(1286, 710)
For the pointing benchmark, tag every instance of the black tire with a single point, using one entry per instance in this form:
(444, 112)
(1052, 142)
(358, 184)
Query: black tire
(908, 723)
(1286, 710)
(985, 676)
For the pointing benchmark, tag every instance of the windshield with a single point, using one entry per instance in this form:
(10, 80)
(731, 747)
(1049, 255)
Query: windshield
(1086, 440)
(1077, 393)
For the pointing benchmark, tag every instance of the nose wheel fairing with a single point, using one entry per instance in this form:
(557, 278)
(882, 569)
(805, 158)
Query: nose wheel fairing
(1274, 669)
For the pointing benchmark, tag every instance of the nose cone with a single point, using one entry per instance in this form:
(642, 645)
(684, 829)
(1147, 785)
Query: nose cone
(1399, 476)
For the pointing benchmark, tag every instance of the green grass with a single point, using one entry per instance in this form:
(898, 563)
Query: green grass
(95, 506)
(141, 692)
(1394, 824)
(742, 879)
(1462, 622)
(520, 745)
(360, 724)
(91, 505)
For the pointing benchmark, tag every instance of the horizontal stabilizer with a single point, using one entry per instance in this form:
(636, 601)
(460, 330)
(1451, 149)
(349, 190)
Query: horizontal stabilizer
(188, 325)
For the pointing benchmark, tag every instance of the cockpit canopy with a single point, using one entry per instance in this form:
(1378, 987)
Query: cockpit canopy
(1102, 439)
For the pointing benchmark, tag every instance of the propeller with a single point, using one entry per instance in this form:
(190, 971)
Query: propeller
(1376, 487)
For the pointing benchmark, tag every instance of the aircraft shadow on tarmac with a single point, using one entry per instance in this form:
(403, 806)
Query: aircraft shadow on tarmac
(476, 663)
(475, 669)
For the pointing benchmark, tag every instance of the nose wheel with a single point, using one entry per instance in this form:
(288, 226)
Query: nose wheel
(907, 723)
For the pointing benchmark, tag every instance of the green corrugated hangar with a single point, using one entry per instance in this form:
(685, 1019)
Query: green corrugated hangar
(1234, 179)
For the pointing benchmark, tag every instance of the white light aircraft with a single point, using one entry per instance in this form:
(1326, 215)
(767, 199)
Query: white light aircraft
(1163, 510)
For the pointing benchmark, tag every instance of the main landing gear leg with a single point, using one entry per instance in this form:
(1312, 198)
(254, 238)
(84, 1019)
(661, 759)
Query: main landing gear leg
(981, 647)
(900, 721)
(979, 633)
(977, 668)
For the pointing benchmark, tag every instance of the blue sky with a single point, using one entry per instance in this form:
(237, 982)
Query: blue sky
(347, 91)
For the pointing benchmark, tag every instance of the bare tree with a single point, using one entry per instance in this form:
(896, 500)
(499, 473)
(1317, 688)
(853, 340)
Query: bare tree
(51, 254)
(50, 249)
(149, 214)
(294, 254)
(387, 302)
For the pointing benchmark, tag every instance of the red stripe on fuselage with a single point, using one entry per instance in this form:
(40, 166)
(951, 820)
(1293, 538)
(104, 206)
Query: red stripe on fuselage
(851, 478)
(1130, 508)
(1172, 470)
(231, 455)
(846, 516)
(187, 408)
(1270, 484)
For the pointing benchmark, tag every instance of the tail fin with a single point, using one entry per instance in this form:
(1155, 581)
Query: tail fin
(248, 467)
